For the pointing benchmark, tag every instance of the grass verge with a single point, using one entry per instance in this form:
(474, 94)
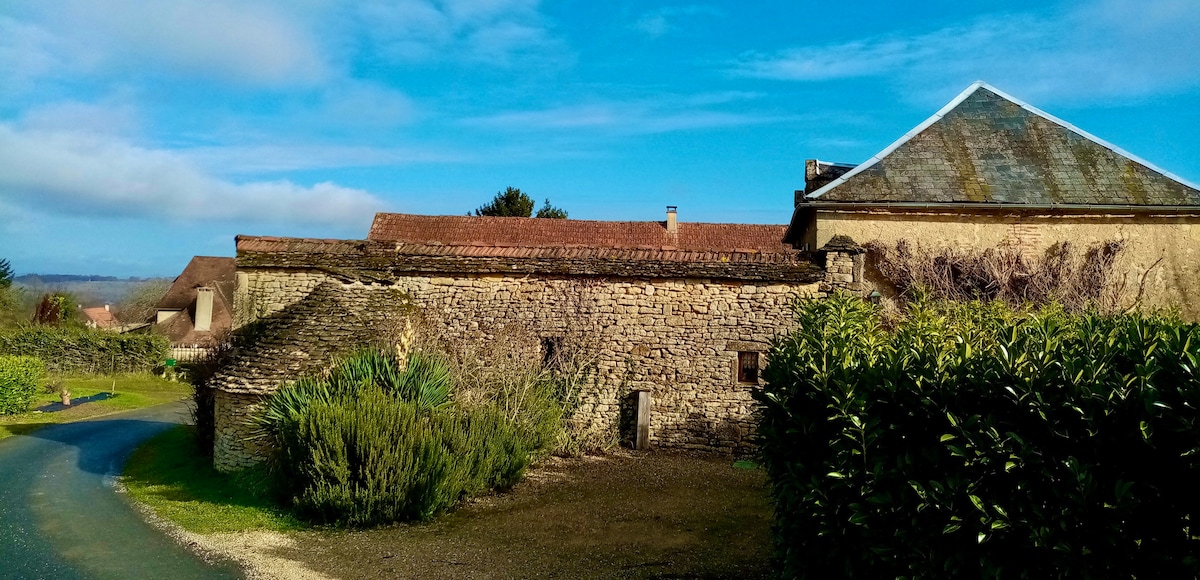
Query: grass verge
(101, 395)
(181, 486)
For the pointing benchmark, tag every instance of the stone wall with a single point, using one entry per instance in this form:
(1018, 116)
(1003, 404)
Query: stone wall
(233, 446)
(678, 338)
(1164, 249)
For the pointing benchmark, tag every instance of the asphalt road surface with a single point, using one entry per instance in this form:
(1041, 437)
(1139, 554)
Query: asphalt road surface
(60, 517)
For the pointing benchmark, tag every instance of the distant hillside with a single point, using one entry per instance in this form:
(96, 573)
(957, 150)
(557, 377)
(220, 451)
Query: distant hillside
(88, 290)
(44, 279)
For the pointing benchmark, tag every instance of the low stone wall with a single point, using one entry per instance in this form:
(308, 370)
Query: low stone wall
(233, 447)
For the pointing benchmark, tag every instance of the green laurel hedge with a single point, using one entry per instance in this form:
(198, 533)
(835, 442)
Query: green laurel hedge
(20, 377)
(67, 349)
(971, 440)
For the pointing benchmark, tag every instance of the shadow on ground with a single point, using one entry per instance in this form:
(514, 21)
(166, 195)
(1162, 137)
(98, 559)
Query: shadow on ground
(628, 516)
(75, 402)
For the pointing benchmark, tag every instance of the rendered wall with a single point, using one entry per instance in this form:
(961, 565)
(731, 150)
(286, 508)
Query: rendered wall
(1166, 250)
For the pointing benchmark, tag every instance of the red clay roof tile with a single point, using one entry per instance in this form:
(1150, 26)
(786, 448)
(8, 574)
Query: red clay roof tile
(552, 233)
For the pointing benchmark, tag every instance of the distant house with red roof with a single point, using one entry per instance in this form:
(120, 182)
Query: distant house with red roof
(198, 307)
(100, 317)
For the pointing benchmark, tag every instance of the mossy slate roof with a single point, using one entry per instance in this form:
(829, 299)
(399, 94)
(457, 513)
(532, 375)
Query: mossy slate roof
(986, 147)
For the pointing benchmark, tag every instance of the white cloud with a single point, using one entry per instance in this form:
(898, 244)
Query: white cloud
(251, 42)
(79, 173)
(666, 20)
(1105, 48)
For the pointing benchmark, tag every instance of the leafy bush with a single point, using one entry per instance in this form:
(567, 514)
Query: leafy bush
(81, 350)
(375, 441)
(19, 377)
(975, 440)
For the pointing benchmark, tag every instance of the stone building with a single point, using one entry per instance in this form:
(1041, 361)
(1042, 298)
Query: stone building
(682, 310)
(989, 170)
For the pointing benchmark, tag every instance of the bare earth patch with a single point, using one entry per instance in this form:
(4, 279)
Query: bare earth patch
(623, 516)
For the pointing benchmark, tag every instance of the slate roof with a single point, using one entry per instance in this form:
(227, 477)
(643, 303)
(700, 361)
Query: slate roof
(987, 147)
(200, 271)
(529, 233)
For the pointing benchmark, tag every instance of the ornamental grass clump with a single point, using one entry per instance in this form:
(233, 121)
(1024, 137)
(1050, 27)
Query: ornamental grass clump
(972, 439)
(380, 439)
(19, 380)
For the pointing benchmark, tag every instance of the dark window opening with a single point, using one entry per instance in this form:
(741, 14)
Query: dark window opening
(747, 367)
(551, 352)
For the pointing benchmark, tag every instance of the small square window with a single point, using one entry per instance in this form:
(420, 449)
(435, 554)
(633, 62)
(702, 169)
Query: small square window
(747, 367)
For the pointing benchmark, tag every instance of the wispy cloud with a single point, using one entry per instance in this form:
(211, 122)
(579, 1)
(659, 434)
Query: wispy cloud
(649, 116)
(1108, 47)
(667, 19)
(80, 173)
(278, 158)
(487, 31)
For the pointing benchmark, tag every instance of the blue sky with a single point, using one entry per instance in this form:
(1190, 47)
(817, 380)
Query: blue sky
(135, 134)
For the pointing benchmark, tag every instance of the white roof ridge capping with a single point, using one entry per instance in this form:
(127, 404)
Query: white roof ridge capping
(876, 158)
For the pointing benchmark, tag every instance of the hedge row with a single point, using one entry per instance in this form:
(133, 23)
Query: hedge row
(81, 350)
(971, 440)
(20, 377)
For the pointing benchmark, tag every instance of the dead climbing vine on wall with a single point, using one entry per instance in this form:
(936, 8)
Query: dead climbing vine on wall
(1063, 274)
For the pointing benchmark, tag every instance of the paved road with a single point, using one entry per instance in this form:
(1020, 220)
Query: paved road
(60, 517)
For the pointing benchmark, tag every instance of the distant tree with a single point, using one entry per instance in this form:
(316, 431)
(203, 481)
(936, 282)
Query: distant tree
(6, 274)
(551, 212)
(140, 303)
(512, 202)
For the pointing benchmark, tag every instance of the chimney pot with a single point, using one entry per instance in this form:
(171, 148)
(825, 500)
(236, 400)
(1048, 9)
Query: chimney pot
(204, 309)
(672, 224)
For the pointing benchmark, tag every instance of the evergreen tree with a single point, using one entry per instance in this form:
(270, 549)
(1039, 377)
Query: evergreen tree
(513, 202)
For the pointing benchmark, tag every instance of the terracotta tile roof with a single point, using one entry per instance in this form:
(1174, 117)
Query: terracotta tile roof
(510, 232)
(101, 317)
(276, 245)
(345, 258)
(986, 147)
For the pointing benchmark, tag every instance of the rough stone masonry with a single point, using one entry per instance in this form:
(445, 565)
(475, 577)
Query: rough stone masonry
(679, 324)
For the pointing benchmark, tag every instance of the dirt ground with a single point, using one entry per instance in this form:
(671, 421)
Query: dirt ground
(623, 516)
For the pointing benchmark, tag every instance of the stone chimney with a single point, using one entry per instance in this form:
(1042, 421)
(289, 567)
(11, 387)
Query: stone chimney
(672, 224)
(106, 309)
(204, 309)
(818, 174)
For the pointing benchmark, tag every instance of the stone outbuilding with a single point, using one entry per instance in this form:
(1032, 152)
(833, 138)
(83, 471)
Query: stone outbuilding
(989, 171)
(682, 310)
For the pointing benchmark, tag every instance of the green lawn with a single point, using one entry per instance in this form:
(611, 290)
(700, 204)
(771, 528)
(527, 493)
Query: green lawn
(110, 393)
(180, 485)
